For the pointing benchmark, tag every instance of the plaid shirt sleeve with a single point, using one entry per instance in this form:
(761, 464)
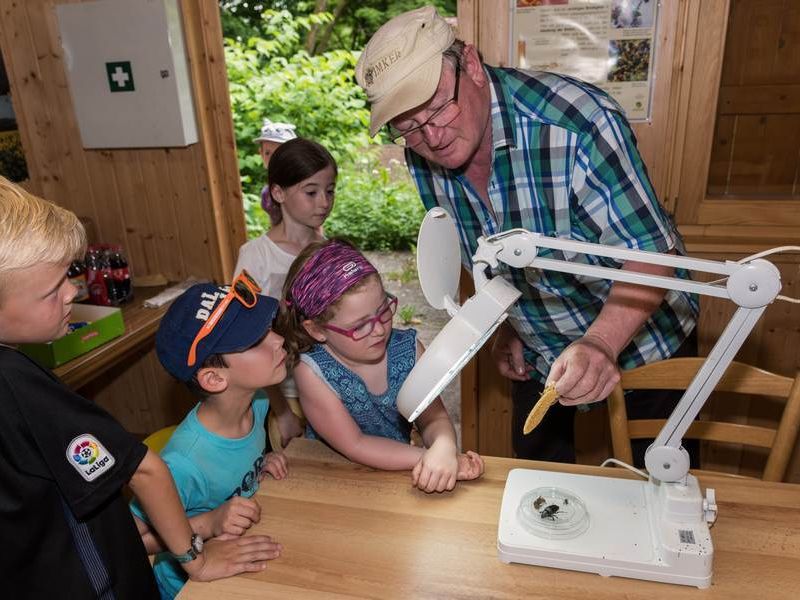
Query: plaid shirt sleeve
(613, 201)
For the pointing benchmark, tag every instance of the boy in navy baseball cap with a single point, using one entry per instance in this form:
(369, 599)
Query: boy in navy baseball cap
(219, 341)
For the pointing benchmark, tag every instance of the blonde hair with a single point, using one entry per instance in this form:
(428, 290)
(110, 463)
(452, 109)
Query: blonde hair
(33, 231)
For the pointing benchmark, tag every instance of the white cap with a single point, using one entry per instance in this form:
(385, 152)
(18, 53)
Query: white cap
(401, 64)
(276, 132)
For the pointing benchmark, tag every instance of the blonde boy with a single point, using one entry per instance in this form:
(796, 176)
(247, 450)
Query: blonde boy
(66, 528)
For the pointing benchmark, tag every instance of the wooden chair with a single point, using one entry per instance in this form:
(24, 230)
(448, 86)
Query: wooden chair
(676, 374)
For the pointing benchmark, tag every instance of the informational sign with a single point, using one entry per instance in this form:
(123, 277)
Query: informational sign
(608, 43)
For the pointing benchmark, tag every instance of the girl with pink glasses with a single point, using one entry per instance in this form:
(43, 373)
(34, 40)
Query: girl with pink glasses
(350, 364)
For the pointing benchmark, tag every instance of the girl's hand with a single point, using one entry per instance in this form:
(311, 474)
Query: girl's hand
(275, 464)
(470, 466)
(437, 469)
(235, 516)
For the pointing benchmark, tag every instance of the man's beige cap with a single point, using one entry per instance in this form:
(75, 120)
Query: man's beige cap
(401, 64)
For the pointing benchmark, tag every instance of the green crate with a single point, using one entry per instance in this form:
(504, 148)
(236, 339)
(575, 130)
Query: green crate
(105, 323)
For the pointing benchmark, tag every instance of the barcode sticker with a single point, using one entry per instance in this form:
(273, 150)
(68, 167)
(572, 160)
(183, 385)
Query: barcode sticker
(687, 536)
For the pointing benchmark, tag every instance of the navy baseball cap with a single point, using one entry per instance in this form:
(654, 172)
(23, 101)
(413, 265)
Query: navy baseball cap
(238, 329)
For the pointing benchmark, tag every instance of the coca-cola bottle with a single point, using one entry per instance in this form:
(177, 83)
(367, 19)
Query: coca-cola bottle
(97, 275)
(77, 276)
(120, 275)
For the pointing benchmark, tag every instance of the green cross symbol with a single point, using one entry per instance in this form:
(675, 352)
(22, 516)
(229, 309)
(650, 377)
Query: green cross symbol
(120, 76)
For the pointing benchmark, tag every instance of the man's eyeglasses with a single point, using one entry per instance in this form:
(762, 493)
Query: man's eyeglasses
(443, 116)
(363, 329)
(244, 289)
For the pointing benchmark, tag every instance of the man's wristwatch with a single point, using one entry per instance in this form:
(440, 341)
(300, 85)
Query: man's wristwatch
(195, 548)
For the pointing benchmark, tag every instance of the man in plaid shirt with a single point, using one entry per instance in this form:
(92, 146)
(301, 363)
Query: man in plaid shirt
(500, 149)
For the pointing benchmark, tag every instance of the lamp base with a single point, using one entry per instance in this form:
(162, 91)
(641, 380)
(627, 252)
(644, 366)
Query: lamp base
(638, 529)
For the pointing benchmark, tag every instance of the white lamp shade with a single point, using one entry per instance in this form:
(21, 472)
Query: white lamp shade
(455, 344)
(438, 258)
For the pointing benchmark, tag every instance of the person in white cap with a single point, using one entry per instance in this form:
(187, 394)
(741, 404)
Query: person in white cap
(273, 135)
(501, 148)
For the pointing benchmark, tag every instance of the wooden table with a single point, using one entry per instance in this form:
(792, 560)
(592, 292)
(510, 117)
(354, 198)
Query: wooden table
(141, 325)
(351, 532)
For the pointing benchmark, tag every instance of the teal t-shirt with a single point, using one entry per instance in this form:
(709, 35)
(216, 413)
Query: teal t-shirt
(208, 470)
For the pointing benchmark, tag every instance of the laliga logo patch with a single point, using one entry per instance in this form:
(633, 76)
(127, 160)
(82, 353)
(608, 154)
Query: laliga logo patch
(85, 452)
(89, 457)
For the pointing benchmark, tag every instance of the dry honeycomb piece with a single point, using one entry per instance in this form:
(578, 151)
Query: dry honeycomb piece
(546, 400)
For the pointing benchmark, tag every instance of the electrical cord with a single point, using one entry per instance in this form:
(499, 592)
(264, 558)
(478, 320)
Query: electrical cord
(614, 461)
(762, 254)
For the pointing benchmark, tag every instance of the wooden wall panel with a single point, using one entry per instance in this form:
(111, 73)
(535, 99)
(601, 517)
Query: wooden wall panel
(763, 45)
(656, 136)
(755, 155)
(140, 198)
(758, 112)
(470, 392)
(494, 408)
(176, 211)
(467, 20)
(141, 395)
(161, 205)
(755, 54)
(773, 346)
(219, 166)
(720, 164)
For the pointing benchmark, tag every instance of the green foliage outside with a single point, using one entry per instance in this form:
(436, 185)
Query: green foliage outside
(408, 315)
(376, 208)
(12, 159)
(274, 76)
(351, 25)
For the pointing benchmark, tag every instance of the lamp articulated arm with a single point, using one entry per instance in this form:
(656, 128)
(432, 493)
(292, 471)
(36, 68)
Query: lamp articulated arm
(752, 286)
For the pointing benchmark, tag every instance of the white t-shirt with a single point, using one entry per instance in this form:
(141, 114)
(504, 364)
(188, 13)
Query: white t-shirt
(268, 264)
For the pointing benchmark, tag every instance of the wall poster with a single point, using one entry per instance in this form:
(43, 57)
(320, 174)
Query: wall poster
(609, 43)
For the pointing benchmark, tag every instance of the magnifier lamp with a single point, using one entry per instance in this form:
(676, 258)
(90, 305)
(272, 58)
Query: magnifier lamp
(656, 529)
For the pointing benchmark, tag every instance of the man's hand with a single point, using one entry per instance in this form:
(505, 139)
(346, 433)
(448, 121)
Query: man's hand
(275, 464)
(507, 354)
(585, 372)
(235, 516)
(226, 558)
(470, 466)
(437, 469)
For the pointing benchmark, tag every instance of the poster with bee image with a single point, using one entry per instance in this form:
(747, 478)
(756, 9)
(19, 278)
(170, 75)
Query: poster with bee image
(608, 43)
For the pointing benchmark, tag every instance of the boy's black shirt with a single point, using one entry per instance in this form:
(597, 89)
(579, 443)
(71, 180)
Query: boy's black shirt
(47, 432)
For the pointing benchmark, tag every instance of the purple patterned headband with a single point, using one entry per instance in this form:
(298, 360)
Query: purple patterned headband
(329, 273)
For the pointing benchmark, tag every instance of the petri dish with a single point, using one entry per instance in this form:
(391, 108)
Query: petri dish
(553, 513)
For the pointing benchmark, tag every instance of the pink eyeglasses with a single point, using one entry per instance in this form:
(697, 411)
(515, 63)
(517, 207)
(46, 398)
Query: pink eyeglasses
(363, 329)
